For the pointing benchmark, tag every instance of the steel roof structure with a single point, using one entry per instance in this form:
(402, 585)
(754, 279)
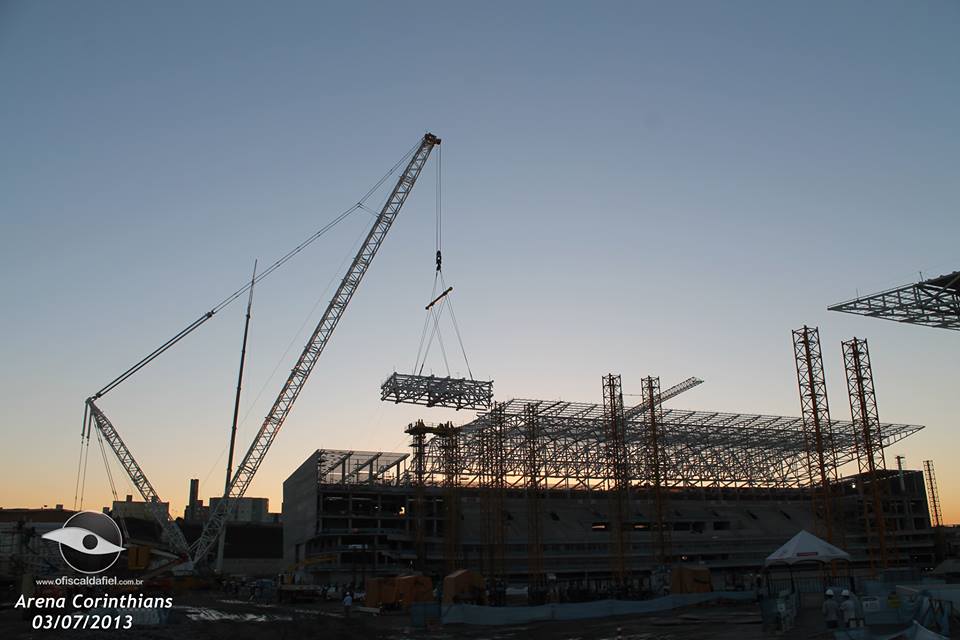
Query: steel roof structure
(704, 448)
(931, 303)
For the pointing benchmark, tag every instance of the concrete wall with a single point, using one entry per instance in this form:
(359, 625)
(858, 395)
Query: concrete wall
(300, 509)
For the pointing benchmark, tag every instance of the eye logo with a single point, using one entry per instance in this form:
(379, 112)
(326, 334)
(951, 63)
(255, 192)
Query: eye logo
(90, 542)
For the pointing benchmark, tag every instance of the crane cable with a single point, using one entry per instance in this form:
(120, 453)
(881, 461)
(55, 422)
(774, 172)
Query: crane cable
(294, 339)
(83, 433)
(435, 308)
(242, 290)
(80, 486)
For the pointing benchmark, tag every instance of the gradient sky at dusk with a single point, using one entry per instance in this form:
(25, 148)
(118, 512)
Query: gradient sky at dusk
(639, 188)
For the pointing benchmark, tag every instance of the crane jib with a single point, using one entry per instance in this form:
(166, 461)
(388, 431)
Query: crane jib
(171, 531)
(298, 375)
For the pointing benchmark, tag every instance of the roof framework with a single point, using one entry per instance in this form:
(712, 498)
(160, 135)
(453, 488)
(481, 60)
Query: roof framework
(703, 448)
(932, 303)
(360, 467)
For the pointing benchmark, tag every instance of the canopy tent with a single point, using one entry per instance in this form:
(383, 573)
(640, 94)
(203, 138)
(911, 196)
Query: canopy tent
(806, 547)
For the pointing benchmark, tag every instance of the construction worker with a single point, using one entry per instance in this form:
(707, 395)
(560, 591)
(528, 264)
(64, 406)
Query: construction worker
(848, 609)
(831, 610)
(347, 604)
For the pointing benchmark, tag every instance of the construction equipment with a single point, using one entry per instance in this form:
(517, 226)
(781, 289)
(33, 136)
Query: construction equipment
(464, 586)
(315, 345)
(246, 470)
(171, 532)
(221, 543)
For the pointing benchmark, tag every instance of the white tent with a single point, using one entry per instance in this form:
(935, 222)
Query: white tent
(806, 547)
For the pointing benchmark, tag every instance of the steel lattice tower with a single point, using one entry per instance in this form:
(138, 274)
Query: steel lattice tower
(654, 457)
(534, 473)
(452, 463)
(493, 484)
(417, 432)
(817, 427)
(933, 493)
(618, 488)
(870, 456)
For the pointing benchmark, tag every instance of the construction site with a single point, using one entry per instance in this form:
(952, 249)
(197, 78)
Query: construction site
(533, 511)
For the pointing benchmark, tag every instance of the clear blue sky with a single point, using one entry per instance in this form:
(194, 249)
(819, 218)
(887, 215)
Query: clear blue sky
(642, 188)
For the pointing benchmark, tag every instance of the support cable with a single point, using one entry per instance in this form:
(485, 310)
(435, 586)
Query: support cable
(106, 465)
(296, 338)
(83, 433)
(456, 329)
(435, 310)
(439, 230)
(242, 290)
(86, 459)
(426, 327)
(436, 323)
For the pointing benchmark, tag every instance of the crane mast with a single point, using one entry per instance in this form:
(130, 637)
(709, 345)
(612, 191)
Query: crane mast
(274, 420)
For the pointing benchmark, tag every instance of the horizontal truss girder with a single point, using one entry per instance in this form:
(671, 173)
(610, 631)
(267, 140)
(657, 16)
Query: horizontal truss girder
(431, 391)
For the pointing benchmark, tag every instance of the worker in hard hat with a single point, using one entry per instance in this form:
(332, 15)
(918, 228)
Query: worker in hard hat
(848, 609)
(831, 610)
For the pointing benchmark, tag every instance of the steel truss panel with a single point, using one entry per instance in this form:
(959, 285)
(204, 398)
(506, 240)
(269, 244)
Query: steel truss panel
(431, 391)
(932, 303)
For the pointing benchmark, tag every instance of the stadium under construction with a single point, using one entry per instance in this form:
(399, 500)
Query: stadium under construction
(608, 497)
(539, 492)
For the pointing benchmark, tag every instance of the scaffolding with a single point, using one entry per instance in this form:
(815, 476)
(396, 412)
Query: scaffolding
(702, 449)
(537, 579)
(870, 457)
(449, 437)
(418, 432)
(934, 302)
(655, 459)
(618, 489)
(491, 458)
(817, 428)
(933, 493)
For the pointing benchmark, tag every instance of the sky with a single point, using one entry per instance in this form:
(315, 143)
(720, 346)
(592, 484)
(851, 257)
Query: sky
(639, 188)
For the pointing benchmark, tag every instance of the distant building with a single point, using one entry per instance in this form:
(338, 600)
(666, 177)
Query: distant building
(129, 508)
(250, 510)
(194, 511)
(246, 510)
